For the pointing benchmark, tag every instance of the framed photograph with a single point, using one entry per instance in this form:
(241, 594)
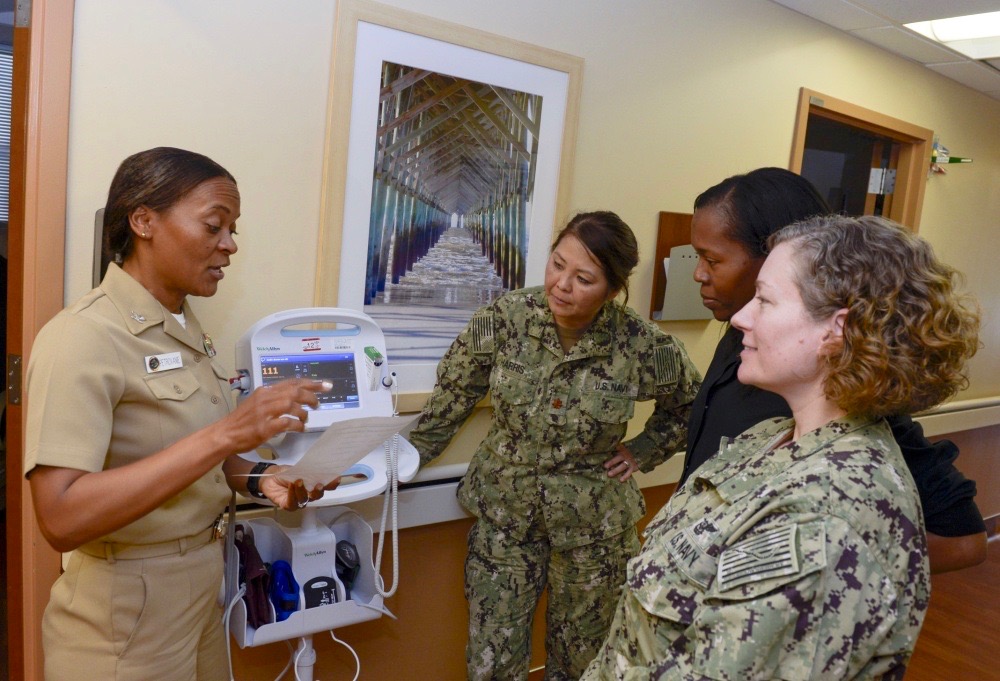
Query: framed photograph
(449, 155)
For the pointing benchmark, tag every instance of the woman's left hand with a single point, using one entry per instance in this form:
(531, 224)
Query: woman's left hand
(622, 464)
(291, 495)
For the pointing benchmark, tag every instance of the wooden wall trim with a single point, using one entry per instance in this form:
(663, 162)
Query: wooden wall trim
(39, 146)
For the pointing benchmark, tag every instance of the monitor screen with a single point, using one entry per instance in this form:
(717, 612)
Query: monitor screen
(337, 368)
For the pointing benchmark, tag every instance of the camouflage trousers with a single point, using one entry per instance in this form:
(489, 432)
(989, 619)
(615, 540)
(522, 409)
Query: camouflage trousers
(631, 648)
(504, 580)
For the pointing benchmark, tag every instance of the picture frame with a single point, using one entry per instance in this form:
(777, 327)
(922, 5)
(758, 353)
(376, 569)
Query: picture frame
(369, 36)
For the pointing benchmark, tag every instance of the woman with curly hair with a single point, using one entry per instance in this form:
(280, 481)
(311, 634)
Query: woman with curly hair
(729, 230)
(798, 551)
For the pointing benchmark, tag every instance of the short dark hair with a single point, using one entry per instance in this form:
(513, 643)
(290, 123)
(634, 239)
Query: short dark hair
(759, 203)
(156, 178)
(610, 241)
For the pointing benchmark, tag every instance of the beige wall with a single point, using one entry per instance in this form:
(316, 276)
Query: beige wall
(676, 96)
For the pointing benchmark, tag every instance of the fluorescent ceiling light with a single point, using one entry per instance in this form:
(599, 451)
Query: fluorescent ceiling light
(976, 35)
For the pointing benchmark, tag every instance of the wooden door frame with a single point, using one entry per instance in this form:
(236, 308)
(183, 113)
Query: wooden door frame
(914, 153)
(36, 254)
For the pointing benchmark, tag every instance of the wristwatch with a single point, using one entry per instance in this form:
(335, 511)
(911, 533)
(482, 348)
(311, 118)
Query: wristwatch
(253, 482)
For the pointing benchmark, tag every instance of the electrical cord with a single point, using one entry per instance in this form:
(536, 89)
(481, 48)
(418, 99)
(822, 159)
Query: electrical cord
(377, 608)
(291, 658)
(231, 575)
(225, 628)
(298, 654)
(391, 492)
(357, 662)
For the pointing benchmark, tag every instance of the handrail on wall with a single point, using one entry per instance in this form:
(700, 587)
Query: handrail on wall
(962, 405)
(954, 417)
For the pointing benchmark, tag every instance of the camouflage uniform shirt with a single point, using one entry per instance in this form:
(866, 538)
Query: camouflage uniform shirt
(557, 417)
(805, 562)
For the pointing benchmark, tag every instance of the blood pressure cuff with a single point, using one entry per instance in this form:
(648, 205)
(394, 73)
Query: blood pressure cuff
(284, 590)
(255, 576)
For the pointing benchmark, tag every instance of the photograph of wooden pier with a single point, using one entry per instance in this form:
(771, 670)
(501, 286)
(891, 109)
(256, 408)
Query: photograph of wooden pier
(452, 188)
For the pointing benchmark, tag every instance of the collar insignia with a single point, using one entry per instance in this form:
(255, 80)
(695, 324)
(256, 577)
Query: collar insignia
(209, 346)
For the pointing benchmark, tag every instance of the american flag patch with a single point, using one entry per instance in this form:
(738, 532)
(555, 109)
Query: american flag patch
(665, 366)
(481, 326)
(772, 554)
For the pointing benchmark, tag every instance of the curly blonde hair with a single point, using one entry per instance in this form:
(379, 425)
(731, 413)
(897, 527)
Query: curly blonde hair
(908, 333)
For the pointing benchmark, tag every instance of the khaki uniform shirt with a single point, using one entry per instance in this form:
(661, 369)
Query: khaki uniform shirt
(94, 404)
(557, 417)
(805, 562)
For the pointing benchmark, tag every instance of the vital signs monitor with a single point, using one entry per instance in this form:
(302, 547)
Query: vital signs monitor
(346, 348)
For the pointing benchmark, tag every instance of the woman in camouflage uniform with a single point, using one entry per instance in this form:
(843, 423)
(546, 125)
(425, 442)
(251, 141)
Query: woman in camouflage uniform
(798, 551)
(729, 230)
(551, 485)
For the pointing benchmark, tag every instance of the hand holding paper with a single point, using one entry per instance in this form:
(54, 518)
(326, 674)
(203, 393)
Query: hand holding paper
(342, 445)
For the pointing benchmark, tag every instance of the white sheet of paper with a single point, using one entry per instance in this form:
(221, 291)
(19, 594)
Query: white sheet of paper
(342, 445)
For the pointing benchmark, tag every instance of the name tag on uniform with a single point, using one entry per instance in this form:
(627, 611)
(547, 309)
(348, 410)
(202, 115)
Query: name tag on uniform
(621, 389)
(164, 362)
(687, 549)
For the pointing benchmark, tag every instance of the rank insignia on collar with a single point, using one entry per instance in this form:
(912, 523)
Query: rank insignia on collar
(137, 317)
(209, 346)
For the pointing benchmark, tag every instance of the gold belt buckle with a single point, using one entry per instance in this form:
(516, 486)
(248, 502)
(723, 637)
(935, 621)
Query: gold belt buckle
(219, 528)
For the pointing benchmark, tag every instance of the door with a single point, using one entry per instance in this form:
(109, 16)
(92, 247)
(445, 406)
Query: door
(863, 162)
(853, 169)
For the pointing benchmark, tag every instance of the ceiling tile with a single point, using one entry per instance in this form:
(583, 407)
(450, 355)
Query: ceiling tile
(905, 11)
(971, 73)
(840, 14)
(880, 22)
(908, 44)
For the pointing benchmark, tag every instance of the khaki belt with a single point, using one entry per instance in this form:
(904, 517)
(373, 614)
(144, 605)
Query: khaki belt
(113, 552)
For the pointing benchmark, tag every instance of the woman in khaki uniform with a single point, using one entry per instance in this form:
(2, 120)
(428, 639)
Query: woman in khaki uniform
(132, 439)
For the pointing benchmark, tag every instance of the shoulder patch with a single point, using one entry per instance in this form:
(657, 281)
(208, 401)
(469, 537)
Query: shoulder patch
(481, 326)
(666, 365)
(772, 554)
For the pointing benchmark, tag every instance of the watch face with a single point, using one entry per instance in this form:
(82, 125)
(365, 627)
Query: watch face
(347, 553)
